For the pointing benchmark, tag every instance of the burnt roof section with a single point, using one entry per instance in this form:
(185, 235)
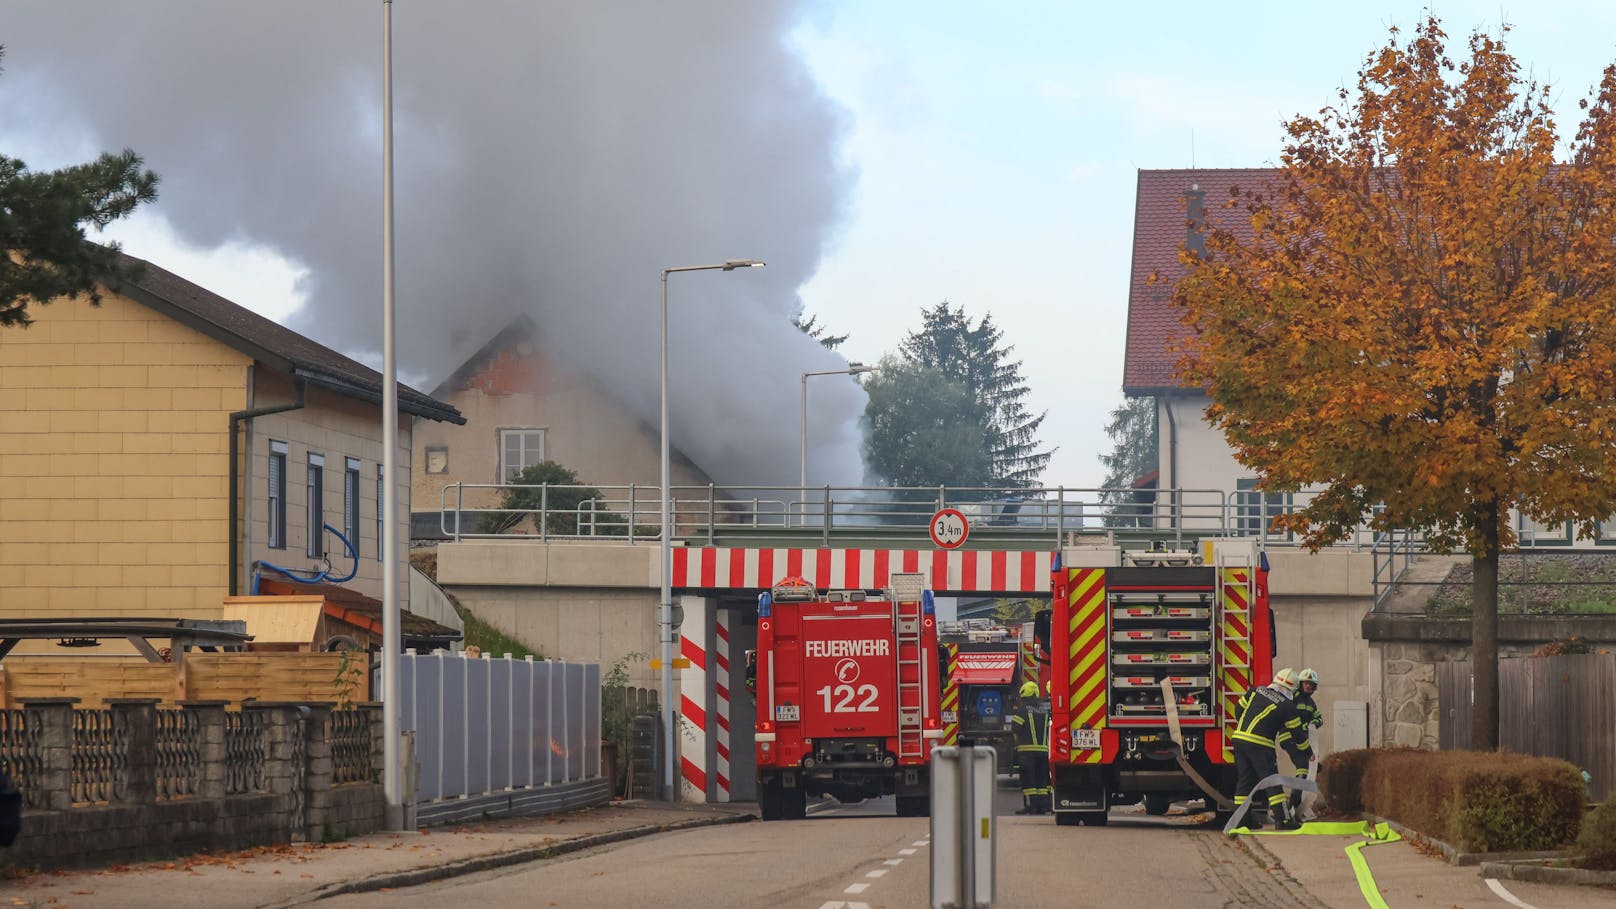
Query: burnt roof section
(520, 329)
(1160, 230)
(267, 341)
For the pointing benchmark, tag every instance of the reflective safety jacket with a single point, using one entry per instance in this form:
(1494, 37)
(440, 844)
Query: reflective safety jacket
(1269, 718)
(1031, 726)
(1309, 711)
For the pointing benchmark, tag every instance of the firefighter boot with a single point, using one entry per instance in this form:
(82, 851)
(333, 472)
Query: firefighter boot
(1284, 819)
(1026, 805)
(1256, 819)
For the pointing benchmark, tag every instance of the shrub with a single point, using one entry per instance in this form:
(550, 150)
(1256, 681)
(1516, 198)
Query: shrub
(1341, 779)
(1477, 801)
(1596, 844)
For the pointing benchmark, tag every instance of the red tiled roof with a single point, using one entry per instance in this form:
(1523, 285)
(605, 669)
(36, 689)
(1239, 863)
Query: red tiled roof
(1160, 227)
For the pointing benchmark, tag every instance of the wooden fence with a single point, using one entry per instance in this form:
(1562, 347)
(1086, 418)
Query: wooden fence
(1550, 706)
(321, 677)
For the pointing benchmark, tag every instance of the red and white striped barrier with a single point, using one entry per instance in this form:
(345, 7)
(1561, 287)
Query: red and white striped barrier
(721, 677)
(1023, 572)
(692, 739)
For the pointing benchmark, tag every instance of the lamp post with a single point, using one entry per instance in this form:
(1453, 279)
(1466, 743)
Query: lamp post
(665, 617)
(853, 369)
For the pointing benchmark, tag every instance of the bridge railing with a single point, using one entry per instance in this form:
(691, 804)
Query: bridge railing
(633, 513)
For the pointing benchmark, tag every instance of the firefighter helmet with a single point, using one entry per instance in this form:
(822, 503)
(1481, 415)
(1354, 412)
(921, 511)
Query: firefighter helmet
(1029, 689)
(1307, 675)
(1285, 680)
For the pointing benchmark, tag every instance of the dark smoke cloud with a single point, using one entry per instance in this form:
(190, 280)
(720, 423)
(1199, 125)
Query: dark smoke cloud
(551, 159)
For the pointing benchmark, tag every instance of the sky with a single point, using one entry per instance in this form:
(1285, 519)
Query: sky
(552, 158)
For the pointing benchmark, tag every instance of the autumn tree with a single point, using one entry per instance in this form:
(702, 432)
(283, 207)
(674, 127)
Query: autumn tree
(1417, 315)
(44, 253)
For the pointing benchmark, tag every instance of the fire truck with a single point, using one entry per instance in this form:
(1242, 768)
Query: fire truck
(847, 692)
(1149, 655)
(980, 681)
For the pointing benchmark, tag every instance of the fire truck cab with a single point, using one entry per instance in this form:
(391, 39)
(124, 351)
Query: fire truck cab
(847, 693)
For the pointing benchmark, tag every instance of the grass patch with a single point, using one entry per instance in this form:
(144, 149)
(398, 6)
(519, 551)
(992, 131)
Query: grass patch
(1537, 583)
(492, 640)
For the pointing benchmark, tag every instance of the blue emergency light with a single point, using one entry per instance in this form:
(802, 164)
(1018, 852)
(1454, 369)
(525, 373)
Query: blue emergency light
(927, 606)
(765, 605)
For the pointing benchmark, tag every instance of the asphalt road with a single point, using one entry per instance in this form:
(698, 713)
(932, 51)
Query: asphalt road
(853, 856)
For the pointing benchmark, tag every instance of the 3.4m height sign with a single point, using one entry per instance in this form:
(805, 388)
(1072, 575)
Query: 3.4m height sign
(849, 673)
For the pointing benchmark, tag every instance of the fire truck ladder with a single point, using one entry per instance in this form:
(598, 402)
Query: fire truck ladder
(906, 619)
(1227, 642)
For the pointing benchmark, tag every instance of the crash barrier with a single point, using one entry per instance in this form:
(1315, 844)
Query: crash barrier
(503, 735)
(133, 781)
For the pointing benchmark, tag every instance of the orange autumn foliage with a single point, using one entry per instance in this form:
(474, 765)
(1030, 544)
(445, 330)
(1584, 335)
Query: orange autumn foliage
(1421, 318)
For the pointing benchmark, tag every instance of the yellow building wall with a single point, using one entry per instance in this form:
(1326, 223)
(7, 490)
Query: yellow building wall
(113, 463)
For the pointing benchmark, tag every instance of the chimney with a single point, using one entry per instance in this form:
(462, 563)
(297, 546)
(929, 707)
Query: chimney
(1195, 219)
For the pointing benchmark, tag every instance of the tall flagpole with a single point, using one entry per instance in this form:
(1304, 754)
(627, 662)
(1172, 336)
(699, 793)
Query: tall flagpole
(393, 770)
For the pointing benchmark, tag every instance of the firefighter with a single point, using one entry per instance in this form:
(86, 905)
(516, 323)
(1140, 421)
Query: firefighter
(1307, 682)
(1269, 720)
(1030, 723)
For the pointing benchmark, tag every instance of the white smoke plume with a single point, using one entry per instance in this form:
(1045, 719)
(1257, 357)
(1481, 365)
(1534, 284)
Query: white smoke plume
(551, 159)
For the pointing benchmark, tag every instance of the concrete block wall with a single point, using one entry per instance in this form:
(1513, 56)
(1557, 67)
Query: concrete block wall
(113, 468)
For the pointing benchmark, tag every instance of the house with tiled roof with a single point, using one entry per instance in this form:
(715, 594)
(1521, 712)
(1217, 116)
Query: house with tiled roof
(522, 407)
(168, 449)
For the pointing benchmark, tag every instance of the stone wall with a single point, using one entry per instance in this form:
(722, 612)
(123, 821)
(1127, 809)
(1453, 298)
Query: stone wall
(1405, 651)
(148, 787)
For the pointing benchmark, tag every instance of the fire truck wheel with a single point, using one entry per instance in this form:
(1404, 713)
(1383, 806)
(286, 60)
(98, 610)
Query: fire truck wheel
(1095, 818)
(1157, 805)
(914, 805)
(769, 798)
(795, 804)
(1066, 819)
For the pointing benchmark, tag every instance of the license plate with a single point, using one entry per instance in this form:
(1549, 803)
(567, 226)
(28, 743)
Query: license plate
(951, 716)
(787, 713)
(1086, 738)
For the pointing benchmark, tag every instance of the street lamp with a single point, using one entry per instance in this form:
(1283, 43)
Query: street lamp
(665, 620)
(853, 369)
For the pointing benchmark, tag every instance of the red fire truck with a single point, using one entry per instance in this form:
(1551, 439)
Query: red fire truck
(846, 693)
(1149, 655)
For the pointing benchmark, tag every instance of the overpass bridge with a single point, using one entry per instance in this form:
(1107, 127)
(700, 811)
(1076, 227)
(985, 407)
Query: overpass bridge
(575, 572)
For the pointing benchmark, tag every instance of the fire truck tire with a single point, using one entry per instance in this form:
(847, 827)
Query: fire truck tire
(795, 805)
(1094, 818)
(914, 805)
(1157, 805)
(769, 799)
(1066, 818)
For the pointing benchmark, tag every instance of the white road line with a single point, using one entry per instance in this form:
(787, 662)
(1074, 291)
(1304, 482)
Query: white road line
(1506, 896)
(893, 862)
(879, 872)
(906, 852)
(856, 888)
(920, 842)
(843, 904)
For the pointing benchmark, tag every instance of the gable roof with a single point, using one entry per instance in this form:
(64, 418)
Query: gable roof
(264, 340)
(1160, 228)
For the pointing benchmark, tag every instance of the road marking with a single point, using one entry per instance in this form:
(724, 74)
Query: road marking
(879, 872)
(920, 842)
(856, 888)
(906, 852)
(843, 904)
(1506, 896)
(893, 862)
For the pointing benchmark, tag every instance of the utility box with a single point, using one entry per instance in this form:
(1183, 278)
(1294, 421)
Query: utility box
(1349, 725)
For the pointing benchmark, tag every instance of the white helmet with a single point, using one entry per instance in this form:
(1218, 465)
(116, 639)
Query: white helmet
(1307, 675)
(1285, 680)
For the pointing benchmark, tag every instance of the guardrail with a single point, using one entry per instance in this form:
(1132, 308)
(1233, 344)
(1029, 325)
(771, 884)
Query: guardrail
(633, 513)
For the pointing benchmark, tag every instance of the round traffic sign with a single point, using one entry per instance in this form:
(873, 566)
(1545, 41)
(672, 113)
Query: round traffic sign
(949, 528)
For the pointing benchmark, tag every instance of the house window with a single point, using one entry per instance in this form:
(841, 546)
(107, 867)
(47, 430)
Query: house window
(314, 506)
(350, 502)
(277, 494)
(437, 460)
(1255, 510)
(519, 449)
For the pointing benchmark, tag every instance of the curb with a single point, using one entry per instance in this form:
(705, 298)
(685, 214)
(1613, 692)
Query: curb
(1465, 859)
(1547, 874)
(498, 860)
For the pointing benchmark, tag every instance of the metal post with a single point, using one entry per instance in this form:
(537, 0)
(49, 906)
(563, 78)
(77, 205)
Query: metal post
(665, 619)
(967, 817)
(392, 751)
